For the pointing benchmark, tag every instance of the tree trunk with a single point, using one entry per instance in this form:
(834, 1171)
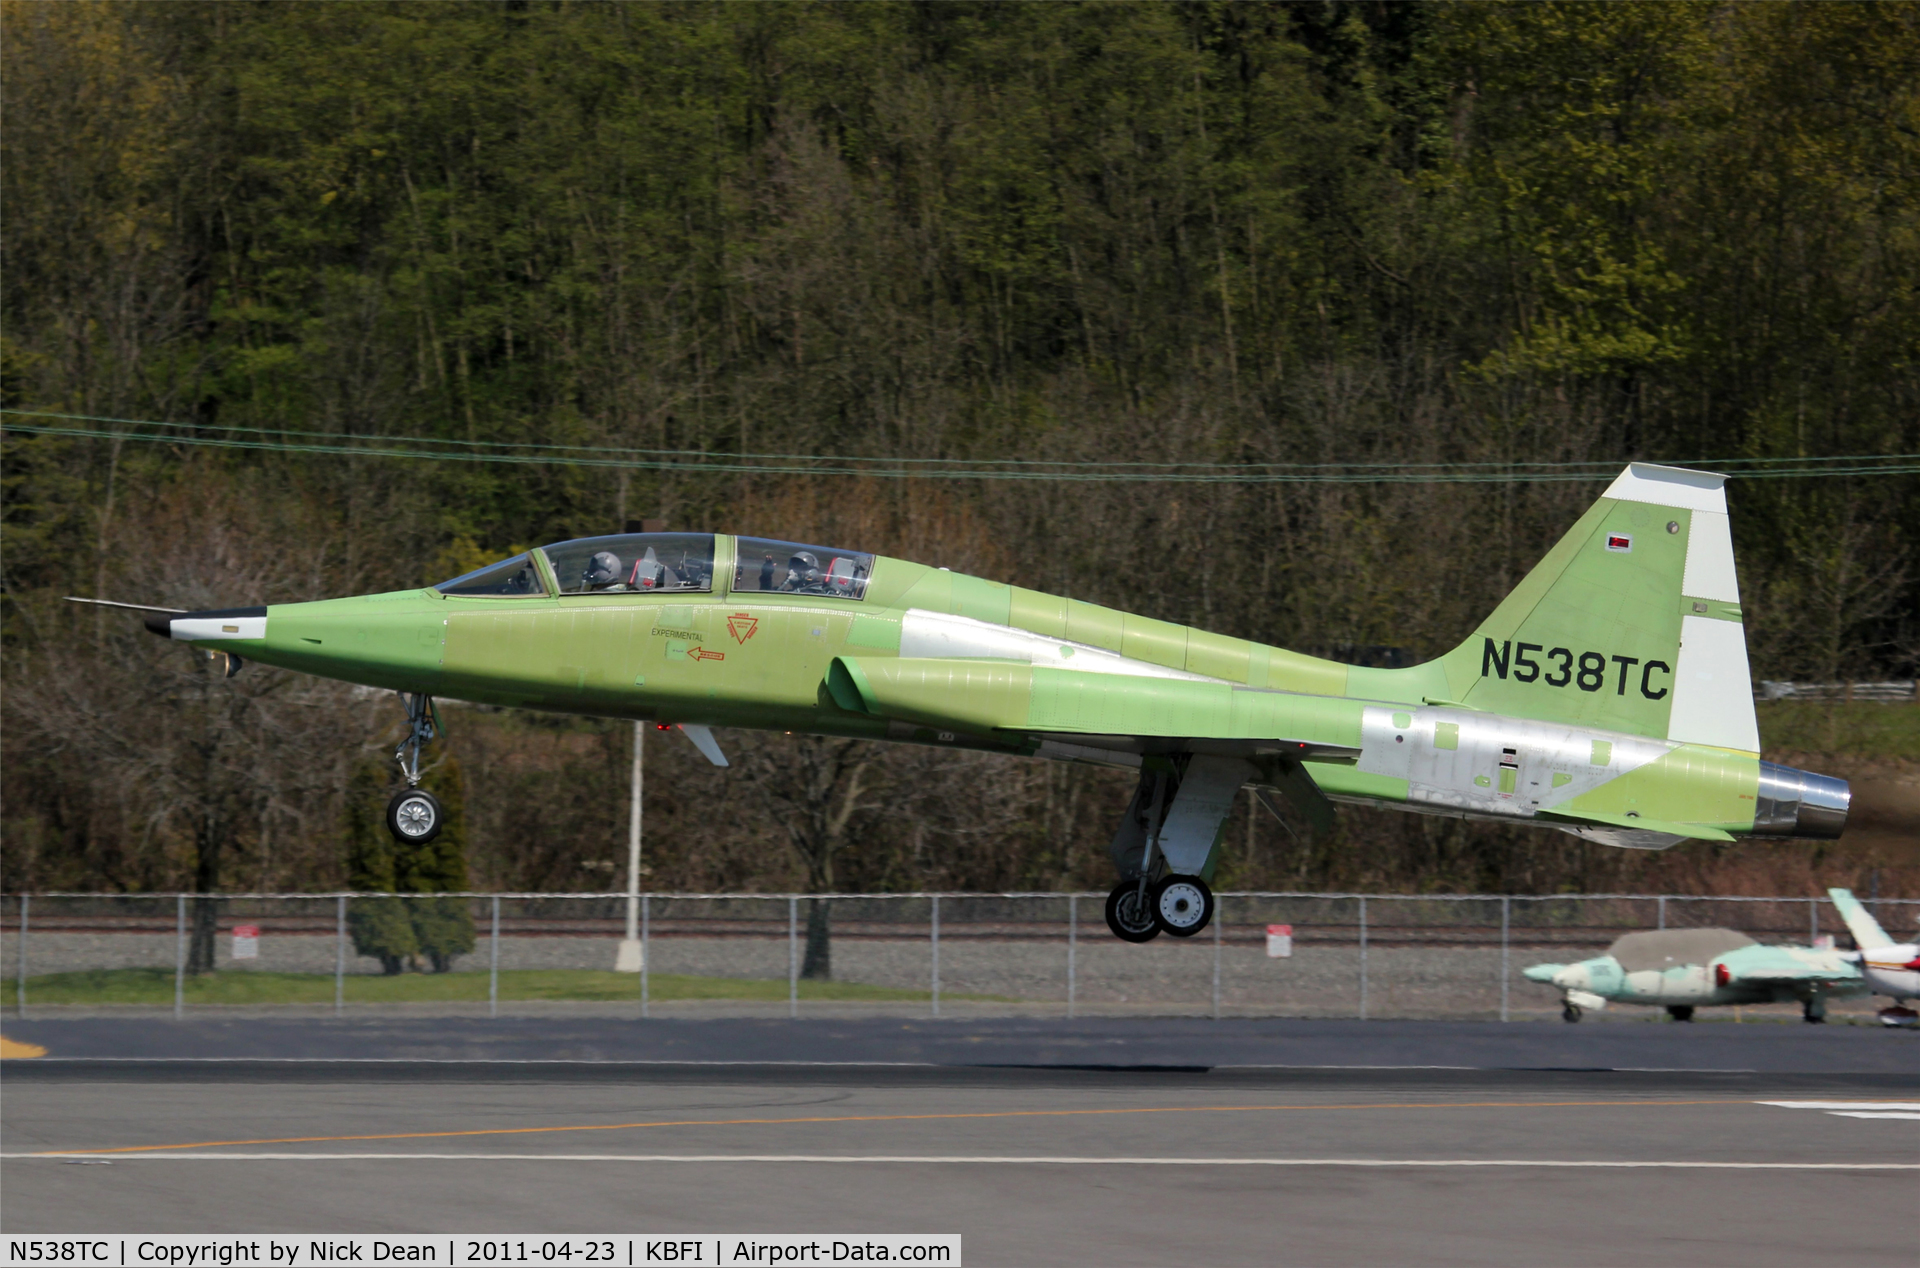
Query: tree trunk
(818, 964)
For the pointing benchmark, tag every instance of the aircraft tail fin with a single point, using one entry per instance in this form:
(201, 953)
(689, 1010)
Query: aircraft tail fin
(1866, 931)
(1631, 623)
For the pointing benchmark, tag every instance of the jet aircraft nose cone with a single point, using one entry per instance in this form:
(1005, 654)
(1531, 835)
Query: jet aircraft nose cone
(160, 623)
(1542, 972)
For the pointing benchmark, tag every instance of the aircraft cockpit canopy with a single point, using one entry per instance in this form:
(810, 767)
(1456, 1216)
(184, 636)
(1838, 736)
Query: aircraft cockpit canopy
(633, 563)
(794, 568)
(508, 579)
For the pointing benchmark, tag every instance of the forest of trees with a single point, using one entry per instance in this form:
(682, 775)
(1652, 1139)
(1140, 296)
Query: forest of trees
(1484, 236)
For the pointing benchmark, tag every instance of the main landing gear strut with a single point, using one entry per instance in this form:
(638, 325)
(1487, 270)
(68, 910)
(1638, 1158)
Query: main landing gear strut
(414, 815)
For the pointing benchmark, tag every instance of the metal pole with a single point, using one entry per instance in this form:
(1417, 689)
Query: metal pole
(633, 837)
(179, 956)
(630, 948)
(1813, 921)
(793, 956)
(20, 997)
(1363, 959)
(493, 963)
(340, 957)
(1506, 924)
(936, 955)
(646, 1003)
(1073, 947)
(1216, 959)
(1661, 903)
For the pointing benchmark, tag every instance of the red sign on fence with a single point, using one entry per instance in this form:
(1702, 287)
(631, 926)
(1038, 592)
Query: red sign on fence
(246, 942)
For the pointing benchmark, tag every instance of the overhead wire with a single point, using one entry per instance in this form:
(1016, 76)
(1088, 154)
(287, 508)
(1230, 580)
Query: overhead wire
(694, 461)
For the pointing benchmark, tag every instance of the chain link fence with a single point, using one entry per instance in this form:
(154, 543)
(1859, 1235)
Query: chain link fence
(942, 955)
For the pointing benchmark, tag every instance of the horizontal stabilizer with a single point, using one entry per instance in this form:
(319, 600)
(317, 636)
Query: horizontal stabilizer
(1693, 831)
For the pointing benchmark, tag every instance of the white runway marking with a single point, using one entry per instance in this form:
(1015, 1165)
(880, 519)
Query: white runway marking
(1856, 1109)
(1915, 1116)
(1913, 1106)
(997, 1159)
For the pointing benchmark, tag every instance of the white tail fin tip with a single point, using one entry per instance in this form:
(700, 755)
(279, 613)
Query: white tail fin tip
(1670, 486)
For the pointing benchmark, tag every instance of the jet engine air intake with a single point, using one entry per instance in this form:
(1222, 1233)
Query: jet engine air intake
(1798, 803)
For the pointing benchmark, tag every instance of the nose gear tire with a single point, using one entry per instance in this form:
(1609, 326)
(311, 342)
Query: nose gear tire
(415, 817)
(1130, 913)
(1182, 905)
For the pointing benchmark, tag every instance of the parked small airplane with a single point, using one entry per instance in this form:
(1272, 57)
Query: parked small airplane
(1890, 968)
(1683, 969)
(1608, 696)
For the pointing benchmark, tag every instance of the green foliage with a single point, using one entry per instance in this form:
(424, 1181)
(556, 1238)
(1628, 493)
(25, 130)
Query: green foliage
(395, 930)
(1491, 233)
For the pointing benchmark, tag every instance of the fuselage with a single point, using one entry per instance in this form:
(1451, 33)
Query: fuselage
(885, 649)
(1749, 975)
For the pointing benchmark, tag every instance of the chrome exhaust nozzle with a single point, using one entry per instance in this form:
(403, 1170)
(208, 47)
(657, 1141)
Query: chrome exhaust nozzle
(1799, 803)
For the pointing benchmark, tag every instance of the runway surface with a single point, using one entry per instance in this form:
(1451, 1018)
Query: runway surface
(1100, 1042)
(1184, 1158)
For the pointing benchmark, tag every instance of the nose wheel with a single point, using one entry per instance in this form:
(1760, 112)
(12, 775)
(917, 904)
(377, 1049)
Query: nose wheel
(1570, 1013)
(415, 816)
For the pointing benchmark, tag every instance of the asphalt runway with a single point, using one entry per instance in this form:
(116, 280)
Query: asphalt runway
(1161, 1154)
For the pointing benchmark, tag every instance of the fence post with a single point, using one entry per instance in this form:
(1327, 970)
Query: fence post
(646, 955)
(493, 963)
(1363, 959)
(340, 956)
(793, 955)
(1073, 945)
(1813, 921)
(1506, 973)
(1661, 904)
(20, 997)
(1216, 958)
(179, 956)
(936, 955)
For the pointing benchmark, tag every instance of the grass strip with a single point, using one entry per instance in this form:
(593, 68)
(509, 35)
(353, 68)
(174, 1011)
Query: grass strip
(258, 986)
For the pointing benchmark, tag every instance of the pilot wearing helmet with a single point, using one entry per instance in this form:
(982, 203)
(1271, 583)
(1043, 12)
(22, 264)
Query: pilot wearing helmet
(803, 573)
(603, 571)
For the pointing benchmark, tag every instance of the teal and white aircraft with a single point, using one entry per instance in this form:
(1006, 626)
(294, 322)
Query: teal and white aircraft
(1683, 969)
(1608, 696)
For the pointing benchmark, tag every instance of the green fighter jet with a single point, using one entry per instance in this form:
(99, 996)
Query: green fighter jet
(1607, 696)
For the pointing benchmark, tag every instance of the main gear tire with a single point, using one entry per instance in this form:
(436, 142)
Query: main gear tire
(415, 817)
(1570, 1013)
(1182, 905)
(1130, 913)
(1680, 1012)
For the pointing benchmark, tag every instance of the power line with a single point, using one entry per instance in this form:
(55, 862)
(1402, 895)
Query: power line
(697, 462)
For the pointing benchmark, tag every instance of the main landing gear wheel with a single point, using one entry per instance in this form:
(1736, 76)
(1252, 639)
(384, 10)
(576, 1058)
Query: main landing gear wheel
(1570, 1013)
(1130, 913)
(1898, 1015)
(1182, 905)
(415, 816)
(1680, 1012)
(1814, 1012)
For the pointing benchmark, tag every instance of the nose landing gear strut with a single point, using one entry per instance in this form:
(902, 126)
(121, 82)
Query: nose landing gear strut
(414, 815)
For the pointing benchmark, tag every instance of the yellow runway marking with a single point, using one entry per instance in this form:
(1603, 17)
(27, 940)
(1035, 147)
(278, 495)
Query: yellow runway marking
(11, 1049)
(889, 1118)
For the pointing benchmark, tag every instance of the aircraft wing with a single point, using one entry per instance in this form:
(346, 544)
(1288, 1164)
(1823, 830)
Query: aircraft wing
(1785, 966)
(1107, 711)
